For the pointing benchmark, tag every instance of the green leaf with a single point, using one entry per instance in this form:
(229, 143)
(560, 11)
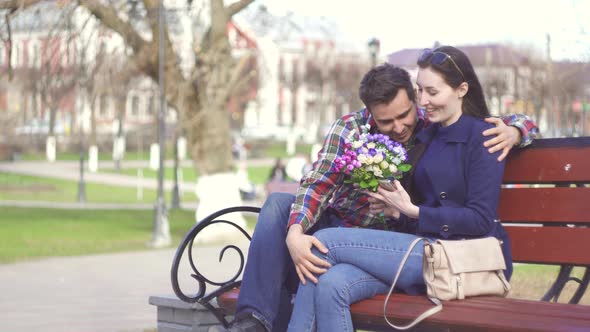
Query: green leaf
(404, 167)
(373, 182)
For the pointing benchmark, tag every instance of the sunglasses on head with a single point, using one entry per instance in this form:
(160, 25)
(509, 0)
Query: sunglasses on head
(437, 58)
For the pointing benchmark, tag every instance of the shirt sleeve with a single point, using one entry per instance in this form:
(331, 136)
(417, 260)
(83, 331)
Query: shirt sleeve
(528, 129)
(316, 187)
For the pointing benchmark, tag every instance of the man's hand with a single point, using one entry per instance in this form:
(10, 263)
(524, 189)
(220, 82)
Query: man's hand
(306, 263)
(377, 206)
(506, 137)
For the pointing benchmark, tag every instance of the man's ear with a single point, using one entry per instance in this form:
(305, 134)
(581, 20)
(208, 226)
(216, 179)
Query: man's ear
(462, 89)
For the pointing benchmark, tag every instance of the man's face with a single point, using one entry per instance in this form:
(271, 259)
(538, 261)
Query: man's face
(397, 119)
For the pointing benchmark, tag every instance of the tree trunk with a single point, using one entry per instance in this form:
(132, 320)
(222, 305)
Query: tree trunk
(211, 143)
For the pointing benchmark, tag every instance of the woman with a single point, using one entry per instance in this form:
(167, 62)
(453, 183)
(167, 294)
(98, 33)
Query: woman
(456, 187)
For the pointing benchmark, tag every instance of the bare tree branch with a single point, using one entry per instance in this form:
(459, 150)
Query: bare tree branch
(13, 5)
(109, 18)
(235, 7)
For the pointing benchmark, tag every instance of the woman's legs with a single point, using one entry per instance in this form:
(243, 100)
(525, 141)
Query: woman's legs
(330, 299)
(376, 254)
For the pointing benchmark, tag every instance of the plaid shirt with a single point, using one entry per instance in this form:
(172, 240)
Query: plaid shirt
(324, 189)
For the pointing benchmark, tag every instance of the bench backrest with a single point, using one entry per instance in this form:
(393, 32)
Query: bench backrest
(545, 201)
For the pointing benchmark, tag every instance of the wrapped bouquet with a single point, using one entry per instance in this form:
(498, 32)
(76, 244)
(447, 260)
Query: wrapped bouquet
(369, 159)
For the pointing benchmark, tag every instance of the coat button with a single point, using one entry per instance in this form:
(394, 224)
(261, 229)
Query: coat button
(445, 228)
(442, 195)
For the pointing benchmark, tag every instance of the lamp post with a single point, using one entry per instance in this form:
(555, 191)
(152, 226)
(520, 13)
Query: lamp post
(81, 184)
(374, 44)
(175, 189)
(161, 235)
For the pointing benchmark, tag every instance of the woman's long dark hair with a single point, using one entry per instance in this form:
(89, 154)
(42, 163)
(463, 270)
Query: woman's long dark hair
(474, 102)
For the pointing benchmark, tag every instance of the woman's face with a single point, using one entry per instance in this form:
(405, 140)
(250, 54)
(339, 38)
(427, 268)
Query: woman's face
(441, 102)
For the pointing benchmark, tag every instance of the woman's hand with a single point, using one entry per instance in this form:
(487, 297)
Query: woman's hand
(398, 199)
(377, 207)
(306, 263)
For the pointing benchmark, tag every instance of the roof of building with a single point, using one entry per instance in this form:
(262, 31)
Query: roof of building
(480, 55)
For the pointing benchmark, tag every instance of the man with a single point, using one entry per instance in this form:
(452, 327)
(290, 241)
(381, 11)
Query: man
(280, 252)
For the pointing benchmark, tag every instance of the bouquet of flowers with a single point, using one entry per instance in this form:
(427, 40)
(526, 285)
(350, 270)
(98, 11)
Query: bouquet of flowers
(371, 158)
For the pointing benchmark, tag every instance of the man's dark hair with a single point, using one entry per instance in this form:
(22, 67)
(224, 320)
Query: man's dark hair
(381, 84)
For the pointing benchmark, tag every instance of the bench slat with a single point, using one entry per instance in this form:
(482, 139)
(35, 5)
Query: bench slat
(474, 314)
(550, 245)
(544, 205)
(546, 162)
(477, 314)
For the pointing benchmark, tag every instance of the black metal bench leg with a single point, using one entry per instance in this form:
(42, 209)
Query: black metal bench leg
(563, 276)
(582, 287)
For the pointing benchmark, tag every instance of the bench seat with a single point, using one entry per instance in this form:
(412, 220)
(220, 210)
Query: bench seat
(485, 313)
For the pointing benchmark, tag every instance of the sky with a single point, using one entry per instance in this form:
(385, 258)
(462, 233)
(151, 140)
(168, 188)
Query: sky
(418, 24)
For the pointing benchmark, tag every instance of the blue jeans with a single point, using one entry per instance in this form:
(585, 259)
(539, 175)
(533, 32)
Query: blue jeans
(363, 262)
(269, 279)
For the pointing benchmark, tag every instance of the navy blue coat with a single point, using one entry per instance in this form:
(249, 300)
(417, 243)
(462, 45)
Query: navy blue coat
(463, 184)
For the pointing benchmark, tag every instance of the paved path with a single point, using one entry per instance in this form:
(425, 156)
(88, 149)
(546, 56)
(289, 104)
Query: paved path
(69, 170)
(99, 293)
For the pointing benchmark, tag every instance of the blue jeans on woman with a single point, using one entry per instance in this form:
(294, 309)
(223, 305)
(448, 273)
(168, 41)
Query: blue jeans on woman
(363, 262)
(269, 279)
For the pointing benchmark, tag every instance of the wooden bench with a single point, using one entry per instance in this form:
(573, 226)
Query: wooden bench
(545, 206)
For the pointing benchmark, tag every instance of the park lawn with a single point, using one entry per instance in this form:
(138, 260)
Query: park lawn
(256, 174)
(29, 233)
(33, 188)
(531, 281)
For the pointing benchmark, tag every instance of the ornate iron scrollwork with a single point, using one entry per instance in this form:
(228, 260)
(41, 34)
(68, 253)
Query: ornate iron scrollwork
(202, 281)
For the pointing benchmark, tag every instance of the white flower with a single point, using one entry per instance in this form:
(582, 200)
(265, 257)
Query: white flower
(384, 164)
(361, 158)
(371, 145)
(392, 168)
(378, 158)
(369, 160)
(377, 171)
(357, 144)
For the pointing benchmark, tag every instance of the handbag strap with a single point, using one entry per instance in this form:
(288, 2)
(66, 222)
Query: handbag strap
(425, 314)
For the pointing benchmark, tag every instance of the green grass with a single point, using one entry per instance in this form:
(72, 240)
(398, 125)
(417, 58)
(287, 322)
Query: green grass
(258, 174)
(32, 188)
(531, 281)
(279, 150)
(29, 233)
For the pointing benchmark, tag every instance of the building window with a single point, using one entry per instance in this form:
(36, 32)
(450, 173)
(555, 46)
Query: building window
(134, 106)
(16, 55)
(103, 106)
(152, 105)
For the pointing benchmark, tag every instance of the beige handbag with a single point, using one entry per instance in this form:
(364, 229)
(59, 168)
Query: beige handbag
(454, 270)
